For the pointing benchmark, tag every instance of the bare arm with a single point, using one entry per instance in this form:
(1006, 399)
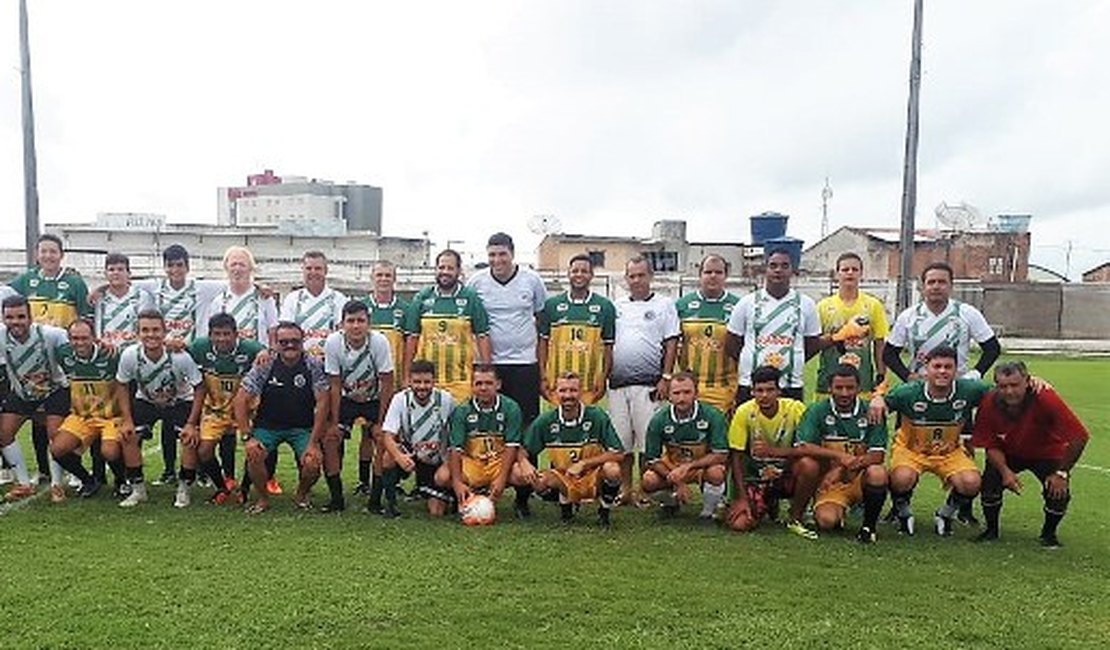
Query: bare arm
(411, 342)
(733, 345)
(485, 350)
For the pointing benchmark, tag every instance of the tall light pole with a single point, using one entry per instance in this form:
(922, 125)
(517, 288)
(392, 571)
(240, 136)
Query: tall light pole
(909, 170)
(30, 166)
(826, 194)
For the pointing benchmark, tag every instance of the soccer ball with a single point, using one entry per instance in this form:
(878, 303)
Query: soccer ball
(478, 510)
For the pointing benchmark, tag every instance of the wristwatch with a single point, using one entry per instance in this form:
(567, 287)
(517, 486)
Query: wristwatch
(244, 435)
(1064, 474)
(667, 376)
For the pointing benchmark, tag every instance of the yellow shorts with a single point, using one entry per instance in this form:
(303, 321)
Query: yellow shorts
(719, 396)
(692, 477)
(89, 429)
(480, 473)
(943, 466)
(844, 495)
(582, 488)
(215, 427)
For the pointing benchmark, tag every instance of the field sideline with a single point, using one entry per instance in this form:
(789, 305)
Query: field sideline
(88, 574)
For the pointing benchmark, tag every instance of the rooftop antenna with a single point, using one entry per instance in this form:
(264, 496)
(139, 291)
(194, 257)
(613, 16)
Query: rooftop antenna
(545, 224)
(826, 194)
(960, 217)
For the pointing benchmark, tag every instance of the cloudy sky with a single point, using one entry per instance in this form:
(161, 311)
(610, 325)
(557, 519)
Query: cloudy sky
(609, 115)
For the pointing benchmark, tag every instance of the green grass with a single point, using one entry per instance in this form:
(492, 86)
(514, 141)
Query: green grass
(86, 574)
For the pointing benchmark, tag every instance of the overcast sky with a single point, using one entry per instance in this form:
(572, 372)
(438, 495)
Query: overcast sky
(473, 116)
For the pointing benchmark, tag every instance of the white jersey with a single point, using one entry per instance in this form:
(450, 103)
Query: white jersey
(774, 332)
(512, 307)
(254, 315)
(642, 328)
(918, 330)
(318, 316)
(167, 381)
(32, 365)
(183, 309)
(116, 318)
(360, 367)
(420, 428)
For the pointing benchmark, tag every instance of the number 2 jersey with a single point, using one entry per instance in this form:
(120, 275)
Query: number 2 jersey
(933, 426)
(569, 441)
(683, 439)
(483, 434)
(222, 372)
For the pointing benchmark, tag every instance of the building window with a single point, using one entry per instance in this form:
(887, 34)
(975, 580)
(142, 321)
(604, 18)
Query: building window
(995, 266)
(597, 259)
(662, 261)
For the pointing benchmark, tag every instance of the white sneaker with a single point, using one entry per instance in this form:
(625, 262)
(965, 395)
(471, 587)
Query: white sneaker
(182, 500)
(137, 496)
(7, 476)
(73, 481)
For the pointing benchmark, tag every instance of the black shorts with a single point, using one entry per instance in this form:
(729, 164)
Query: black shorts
(146, 414)
(522, 383)
(350, 410)
(744, 394)
(56, 403)
(426, 482)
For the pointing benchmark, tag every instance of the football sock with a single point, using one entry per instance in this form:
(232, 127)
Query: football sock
(609, 492)
(41, 442)
(711, 496)
(335, 487)
(211, 469)
(953, 504)
(901, 502)
(71, 463)
(169, 448)
(188, 475)
(118, 472)
(992, 511)
(390, 478)
(57, 474)
(98, 464)
(364, 471)
(376, 491)
(522, 496)
(227, 456)
(1051, 521)
(874, 496)
(134, 475)
(271, 463)
(13, 453)
(665, 497)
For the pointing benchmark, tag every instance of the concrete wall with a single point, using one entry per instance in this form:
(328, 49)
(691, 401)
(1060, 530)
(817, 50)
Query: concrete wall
(1051, 311)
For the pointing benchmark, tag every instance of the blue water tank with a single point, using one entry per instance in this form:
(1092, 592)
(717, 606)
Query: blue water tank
(768, 225)
(793, 247)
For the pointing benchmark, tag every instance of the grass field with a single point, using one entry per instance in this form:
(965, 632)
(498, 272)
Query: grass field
(86, 574)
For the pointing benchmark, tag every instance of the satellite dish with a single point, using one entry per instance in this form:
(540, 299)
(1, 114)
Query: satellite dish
(545, 224)
(959, 216)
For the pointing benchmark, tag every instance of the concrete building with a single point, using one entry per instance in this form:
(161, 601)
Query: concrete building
(986, 255)
(268, 200)
(1100, 273)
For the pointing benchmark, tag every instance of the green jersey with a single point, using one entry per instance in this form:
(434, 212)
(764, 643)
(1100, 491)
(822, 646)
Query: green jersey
(569, 441)
(683, 439)
(223, 371)
(483, 434)
(577, 332)
(389, 319)
(849, 432)
(90, 381)
(934, 426)
(57, 300)
(704, 324)
(446, 325)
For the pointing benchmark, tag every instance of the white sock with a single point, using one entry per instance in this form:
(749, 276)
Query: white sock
(711, 496)
(13, 453)
(57, 474)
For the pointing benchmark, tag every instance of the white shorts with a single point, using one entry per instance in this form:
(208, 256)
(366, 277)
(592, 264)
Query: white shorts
(630, 409)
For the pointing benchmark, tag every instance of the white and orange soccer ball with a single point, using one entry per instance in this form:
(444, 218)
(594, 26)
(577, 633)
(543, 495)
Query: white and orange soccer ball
(478, 510)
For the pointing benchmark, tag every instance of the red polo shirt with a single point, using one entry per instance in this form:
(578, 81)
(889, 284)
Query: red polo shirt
(1042, 430)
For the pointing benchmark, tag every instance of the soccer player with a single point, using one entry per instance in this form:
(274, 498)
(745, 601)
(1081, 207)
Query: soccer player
(448, 325)
(181, 299)
(837, 433)
(577, 330)
(117, 311)
(774, 326)
(414, 436)
(583, 448)
(766, 466)
(223, 359)
(854, 328)
(359, 365)
(316, 307)
(166, 384)
(485, 435)
(292, 392)
(1025, 429)
(930, 437)
(704, 316)
(686, 443)
(95, 415)
(643, 358)
(31, 353)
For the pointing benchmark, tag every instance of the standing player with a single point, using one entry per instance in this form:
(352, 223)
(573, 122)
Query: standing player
(577, 330)
(117, 311)
(180, 298)
(584, 450)
(854, 328)
(316, 307)
(930, 437)
(165, 388)
(774, 326)
(766, 467)
(686, 443)
(36, 380)
(704, 316)
(359, 366)
(837, 433)
(643, 357)
(448, 325)
(1025, 429)
(414, 435)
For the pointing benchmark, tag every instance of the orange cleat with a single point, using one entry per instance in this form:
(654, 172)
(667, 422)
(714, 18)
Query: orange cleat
(230, 484)
(20, 492)
(273, 487)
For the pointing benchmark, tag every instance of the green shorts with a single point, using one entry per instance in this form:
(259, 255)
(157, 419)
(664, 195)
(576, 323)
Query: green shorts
(271, 438)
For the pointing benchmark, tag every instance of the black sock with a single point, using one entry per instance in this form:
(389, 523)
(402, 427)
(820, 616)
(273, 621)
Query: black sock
(390, 478)
(188, 475)
(169, 448)
(1051, 521)
(335, 487)
(901, 501)
(376, 492)
(211, 469)
(609, 492)
(98, 464)
(71, 463)
(118, 472)
(364, 472)
(874, 496)
(41, 441)
(523, 493)
(134, 475)
(245, 484)
(271, 463)
(227, 456)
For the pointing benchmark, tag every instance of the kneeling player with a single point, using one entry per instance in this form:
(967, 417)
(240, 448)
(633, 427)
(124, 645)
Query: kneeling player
(766, 467)
(584, 449)
(485, 436)
(837, 433)
(686, 443)
(414, 434)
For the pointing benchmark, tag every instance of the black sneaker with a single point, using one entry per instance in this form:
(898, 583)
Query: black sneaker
(121, 490)
(334, 506)
(89, 488)
(603, 517)
(1050, 541)
(987, 535)
(966, 516)
(566, 513)
(521, 510)
(390, 511)
(668, 512)
(891, 516)
(943, 524)
(167, 478)
(361, 489)
(906, 525)
(374, 509)
(866, 536)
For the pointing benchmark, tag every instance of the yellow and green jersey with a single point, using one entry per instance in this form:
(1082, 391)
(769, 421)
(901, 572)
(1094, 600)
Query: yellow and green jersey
(91, 381)
(389, 319)
(569, 441)
(704, 323)
(447, 326)
(56, 301)
(824, 425)
(834, 314)
(482, 434)
(750, 424)
(683, 439)
(577, 332)
(934, 426)
(223, 372)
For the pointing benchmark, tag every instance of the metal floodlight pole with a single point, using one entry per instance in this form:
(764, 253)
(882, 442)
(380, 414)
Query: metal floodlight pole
(30, 166)
(909, 170)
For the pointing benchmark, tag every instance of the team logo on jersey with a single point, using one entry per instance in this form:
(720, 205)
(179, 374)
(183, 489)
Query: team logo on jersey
(919, 407)
(429, 302)
(34, 282)
(472, 418)
(694, 304)
(500, 416)
(69, 361)
(959, 404)
(554, 428)
(649, 315)
(241, 358)
(701, 424)
(586, 426)
(211, 355)
(461, 302)
(562, 306)
(62, 285)
(830, 420)
(668, 429)
(398, 314)
(299, 381)
(594, 309)
(861, 423)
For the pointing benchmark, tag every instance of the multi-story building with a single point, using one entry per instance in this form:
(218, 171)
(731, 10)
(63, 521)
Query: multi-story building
(269, 200)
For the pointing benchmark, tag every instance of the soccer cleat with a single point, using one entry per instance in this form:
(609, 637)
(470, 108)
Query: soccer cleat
(374, 509)
(57, 494)
(1050, 541)
(799, 529)
(273, 488)
(204, 482)
(89, 490)
(72, 481)
(230, 483)
(521, 510)
(334, 506)
(987, 535)
(943, 524)
(137, 496)
(219, 498)
(6, 476)
(668, 511)
(966, 516)
(20, 492)
(603, 518)
(566, 512)
(906, 524)
(390, 511)
(182, 499)
(866, 536)
(362, 489)
(167, 478)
